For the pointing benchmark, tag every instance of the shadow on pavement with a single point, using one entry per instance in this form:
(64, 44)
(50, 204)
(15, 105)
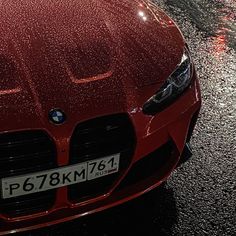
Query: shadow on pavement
(154, 213)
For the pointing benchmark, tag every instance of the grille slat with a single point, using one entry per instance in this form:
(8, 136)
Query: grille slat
(98, 138)
(15, 158)
(99, 150)
(103, 141)
(25, 170)
(12, 144)
(21, 153)
(28, 204)
(22, 202)
(107, 152)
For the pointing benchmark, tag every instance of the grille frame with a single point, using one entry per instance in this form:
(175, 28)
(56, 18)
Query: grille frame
(103, 185)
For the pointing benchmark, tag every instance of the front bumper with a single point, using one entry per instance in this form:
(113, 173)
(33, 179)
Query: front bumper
(160, 140)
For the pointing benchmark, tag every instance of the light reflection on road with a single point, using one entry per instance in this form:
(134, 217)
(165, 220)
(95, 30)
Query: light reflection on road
(216, 18)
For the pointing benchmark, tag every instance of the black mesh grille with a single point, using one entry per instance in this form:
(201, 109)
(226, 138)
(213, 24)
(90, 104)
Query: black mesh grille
(22, 153)
(98, 138)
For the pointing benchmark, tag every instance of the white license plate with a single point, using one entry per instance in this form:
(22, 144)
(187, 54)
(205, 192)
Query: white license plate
(59, 177)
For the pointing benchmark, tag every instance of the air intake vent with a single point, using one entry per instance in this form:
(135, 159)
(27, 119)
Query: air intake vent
(156, 163)
(98, 138)
(22, 153)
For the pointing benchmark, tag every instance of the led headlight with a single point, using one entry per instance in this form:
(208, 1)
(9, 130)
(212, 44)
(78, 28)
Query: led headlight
(175, 85)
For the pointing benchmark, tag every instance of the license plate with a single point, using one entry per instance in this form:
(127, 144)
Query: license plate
(59, 177)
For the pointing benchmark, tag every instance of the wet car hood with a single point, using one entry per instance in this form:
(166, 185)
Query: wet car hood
(77, 54)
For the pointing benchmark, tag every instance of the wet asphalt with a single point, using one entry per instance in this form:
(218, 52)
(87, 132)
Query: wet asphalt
(200, 196)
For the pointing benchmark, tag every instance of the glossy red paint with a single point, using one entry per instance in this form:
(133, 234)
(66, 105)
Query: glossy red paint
(91, 59)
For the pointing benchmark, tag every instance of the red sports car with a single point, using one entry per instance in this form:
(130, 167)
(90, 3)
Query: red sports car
(98, 101)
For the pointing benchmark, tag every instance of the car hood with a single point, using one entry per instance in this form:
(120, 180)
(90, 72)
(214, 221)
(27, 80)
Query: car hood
(80, 56)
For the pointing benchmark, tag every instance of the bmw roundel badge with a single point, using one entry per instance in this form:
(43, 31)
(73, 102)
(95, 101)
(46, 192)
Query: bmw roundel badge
(57, 116)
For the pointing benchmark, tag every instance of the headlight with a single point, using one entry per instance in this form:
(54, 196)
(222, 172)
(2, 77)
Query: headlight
(175, 85)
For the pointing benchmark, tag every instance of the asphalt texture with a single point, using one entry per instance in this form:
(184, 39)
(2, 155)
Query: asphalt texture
(200, 196)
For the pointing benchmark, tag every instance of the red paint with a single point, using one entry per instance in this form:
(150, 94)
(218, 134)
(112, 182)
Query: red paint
(89, 58)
